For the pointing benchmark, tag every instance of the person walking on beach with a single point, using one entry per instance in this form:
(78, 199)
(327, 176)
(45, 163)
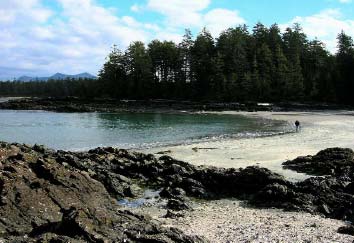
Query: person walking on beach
(297, 125)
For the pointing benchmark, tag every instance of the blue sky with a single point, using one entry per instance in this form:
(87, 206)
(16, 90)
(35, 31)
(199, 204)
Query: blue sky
(41, 37)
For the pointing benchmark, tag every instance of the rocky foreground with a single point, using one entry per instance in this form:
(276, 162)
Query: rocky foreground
(59, 196)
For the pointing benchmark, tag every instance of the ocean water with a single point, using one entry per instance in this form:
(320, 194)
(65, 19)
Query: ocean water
(82, 131)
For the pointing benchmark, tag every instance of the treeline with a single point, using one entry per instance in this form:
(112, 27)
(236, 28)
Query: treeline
(55, 88)
(240, 65)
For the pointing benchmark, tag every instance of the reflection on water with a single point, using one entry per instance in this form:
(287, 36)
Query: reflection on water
(81, 131)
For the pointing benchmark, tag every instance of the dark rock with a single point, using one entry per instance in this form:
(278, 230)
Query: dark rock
(166, 192)
(18, 156)
(350, 188)
(133, 191)
(274, 194)
(173, 215)
(43, 200)
(177, 204)
(39, 148)
(169, 192)
(332, 161)
(348, 230)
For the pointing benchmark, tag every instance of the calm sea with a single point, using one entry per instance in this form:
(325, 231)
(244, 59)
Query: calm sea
(82, 131)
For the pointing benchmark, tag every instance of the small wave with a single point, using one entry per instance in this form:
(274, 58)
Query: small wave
(215, 138)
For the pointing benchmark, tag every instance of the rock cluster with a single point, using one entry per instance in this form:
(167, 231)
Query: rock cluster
(333, 161)
(332, 193)
(43, 198)
(57, 195)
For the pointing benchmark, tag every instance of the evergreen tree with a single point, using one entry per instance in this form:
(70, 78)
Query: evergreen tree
(232, 46)
(295, 44)
(139, 71)
(203, 64)
(315, 69)
(113, 74)
(345, 68)
(265, 69)
(280, 75)
(185, 56)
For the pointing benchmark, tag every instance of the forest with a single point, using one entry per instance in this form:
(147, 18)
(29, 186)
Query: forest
(262, 64)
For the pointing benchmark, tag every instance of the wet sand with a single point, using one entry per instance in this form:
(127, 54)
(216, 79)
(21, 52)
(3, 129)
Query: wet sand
(319, 130)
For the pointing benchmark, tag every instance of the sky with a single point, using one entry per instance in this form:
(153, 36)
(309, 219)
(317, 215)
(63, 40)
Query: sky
(42, 37)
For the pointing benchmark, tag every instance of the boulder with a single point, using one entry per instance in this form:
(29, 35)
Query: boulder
(178, 204)
(348, 230)
(331, 161)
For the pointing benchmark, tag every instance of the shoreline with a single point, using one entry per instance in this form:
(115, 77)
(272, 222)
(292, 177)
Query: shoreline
(320, 130)
(74, 104)
(265, 151)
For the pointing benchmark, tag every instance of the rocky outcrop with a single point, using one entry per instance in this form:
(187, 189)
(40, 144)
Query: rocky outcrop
(330, 194)
(349, 230)
(332, 161)
(42, 200)
(57, 195)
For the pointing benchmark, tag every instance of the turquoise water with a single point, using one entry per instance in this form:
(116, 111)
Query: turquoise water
(82, 131)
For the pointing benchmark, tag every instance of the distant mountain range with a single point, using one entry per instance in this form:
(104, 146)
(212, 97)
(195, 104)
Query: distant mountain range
(57, 76)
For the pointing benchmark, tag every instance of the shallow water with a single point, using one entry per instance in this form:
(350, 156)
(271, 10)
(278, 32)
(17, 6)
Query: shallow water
(82, 131)
(150, 197)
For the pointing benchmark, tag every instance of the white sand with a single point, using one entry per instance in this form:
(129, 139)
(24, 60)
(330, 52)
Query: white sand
(320, 130)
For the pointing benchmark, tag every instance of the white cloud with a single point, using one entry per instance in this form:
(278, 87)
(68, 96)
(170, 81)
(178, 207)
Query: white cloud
(76, 37)
(175, 7)
(169, 36)
(325, 25)
(130, 21)
(136, 8)
(43, 32)
(179, 13)
(218, 20)
(25, 11)
(345, 1)
(153, 27)
(195, 14)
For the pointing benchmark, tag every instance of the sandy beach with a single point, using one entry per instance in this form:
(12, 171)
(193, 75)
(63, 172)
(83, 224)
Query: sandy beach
(319, 130)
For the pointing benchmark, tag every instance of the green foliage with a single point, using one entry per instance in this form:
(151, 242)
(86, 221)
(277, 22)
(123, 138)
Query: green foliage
(345, 68)
(264, 65)
(113, 74)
